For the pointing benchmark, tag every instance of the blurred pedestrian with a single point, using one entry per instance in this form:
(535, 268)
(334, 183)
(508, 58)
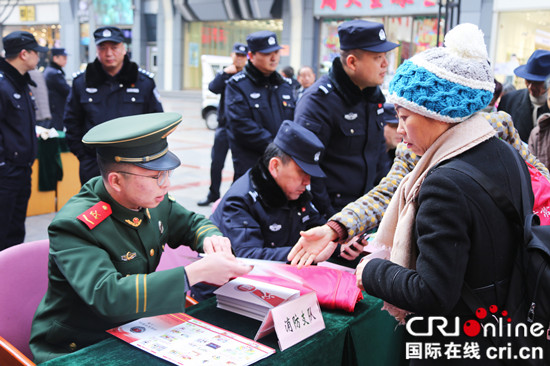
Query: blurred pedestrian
(306, 78)
(58, 88)
(526, 105)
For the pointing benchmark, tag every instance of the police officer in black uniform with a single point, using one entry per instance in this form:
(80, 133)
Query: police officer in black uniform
(112, 86)
(58, 88)
(257, 101)
(345, 110)
(221, 143)
(18, 143)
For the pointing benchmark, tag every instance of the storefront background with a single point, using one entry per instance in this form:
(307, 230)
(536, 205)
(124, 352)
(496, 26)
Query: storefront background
(519, 35)
(217, 38)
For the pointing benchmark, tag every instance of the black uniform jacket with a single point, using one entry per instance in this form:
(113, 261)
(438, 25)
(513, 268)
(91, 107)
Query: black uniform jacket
(261, 223)
(18, 143)
(349, 123)
(255, 107)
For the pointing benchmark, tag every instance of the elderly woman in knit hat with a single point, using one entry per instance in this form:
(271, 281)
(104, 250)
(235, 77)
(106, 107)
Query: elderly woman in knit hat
(442, 229)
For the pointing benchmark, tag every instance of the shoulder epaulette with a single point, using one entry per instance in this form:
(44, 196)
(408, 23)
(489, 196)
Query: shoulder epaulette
(95, 214)
(325, 87)
(288, 80)
(75, 74)
(146, 73)
(238, 76)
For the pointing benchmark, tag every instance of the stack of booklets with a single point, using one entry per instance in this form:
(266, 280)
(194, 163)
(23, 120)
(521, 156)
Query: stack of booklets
(252, 298)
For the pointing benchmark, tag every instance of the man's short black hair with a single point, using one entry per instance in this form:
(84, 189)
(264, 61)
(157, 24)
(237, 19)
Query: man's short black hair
(288, 71)
(273, 151)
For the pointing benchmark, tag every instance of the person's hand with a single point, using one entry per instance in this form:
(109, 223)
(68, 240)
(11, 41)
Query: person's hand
(230, 69)
(326, 253)
(311, 243)
(352, 249)
(378, 252)
(216, 269)
(216, 244)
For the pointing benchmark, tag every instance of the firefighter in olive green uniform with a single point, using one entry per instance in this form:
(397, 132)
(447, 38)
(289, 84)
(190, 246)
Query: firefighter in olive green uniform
(106, 242)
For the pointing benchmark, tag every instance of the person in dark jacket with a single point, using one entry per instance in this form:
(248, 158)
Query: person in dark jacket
(257, 101)
(221, 143)
(112, 86)
(18, 143)
(444, 231)
(58, 88)
(527, 105)
(344, 109)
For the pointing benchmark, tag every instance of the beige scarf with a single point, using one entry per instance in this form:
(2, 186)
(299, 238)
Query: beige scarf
(396, 228)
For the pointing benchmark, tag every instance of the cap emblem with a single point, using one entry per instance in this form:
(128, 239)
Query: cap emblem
(241, 48)
(106, 33)
(382, 35)
(271, 41)
(316, 156)
(350, 116)
(275, 227)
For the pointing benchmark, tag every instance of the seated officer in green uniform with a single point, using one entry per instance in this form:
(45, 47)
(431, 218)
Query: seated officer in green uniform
(106, 242)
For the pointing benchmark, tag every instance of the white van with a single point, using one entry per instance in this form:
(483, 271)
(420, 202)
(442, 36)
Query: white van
(211, 64)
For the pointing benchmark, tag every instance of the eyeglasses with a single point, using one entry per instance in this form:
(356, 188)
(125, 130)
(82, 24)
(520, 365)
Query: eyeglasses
(160, 177)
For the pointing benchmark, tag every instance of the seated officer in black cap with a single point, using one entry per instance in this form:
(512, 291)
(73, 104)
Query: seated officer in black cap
(112, 86)
(344, 109)
(257, 101)
(18, 143)
(58, 88)
(264, 211)
(106, 242)
(221, 143)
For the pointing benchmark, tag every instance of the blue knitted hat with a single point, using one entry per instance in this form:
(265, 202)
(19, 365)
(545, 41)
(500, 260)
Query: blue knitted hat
(446, 83)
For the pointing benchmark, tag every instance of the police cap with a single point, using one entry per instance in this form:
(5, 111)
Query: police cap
(537, 67)
(21, 40)
(302, 145)
(240, 48)
(138, 139)
(59, 52)
(390, 115)
(111, 34)
(364, 35)
(262, 41)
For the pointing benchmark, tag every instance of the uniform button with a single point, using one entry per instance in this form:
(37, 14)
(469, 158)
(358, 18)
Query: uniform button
(152, 252)
(272, 244)
(90, 100)
(256, 106)
(133, 99)
(338, 195)
(72, 346)
(245, 223)
(16, 154)
(120, 85)
(352, 131)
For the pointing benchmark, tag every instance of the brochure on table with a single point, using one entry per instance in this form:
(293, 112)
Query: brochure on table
(184, 340)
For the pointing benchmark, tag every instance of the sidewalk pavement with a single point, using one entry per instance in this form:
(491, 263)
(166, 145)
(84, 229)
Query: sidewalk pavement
(191, 142)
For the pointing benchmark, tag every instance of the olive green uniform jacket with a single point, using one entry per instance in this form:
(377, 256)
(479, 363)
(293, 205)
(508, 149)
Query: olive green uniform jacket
(102, 268)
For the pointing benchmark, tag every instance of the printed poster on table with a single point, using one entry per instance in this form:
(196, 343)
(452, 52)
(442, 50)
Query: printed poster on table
(184, 340)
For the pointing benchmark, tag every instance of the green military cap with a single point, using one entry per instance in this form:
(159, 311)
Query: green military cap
(139, 139)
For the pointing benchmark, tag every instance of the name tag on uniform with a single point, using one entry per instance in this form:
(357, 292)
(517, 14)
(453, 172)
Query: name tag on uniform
(380, 110)
(132, 90)
(286, 96)
(91, 90)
